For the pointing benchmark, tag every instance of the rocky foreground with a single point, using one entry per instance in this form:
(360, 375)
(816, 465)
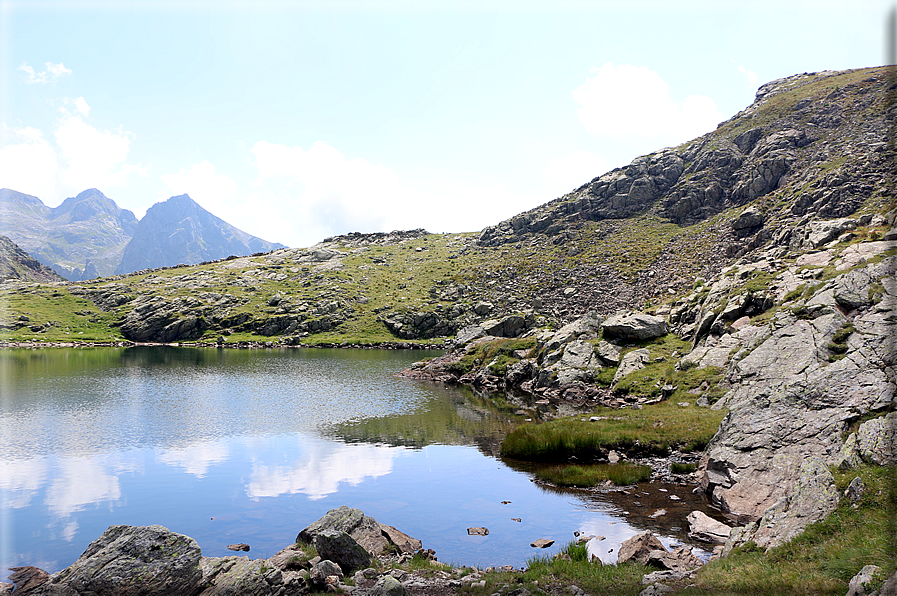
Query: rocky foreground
(345, 551)
(799, 348)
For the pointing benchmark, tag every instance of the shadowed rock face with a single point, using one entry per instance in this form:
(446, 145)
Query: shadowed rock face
(180, 231)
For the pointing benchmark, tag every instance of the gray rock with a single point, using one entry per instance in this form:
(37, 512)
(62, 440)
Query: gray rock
(638, 326)
(855, 490)
(322, 570)
(388, 586)
(789, 404)
(631, 362)
(823, 232)
(145, 560)
(541, 543)
(509, 326)
(342, 549)
(364, 529)
(483, 308)
(639, 548)
(659, 576)
(468, 334)
(608, 353)
(811, 499)
(656, 590)
(479, 531)
(859, 582)
(877, 440)
(751, 217)
(405, 543)
(889, 588)
(679, 559)
(705, 528)
(239, 576)
(27, 578)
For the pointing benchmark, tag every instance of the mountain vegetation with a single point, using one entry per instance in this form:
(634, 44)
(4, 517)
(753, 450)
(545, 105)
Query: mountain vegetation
(734, 294)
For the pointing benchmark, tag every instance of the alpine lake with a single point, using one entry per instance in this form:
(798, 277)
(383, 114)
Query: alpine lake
(251, 446)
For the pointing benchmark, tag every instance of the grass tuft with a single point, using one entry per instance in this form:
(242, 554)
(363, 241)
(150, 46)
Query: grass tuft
(621, 474)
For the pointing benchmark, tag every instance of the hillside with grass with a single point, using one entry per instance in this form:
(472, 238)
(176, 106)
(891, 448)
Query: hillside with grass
(728, 304)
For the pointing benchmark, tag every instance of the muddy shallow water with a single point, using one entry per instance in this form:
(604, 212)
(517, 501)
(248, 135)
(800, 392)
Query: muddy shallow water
(251, 446)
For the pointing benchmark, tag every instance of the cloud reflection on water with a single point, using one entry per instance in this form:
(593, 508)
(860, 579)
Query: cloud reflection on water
(196, 458)
(323, 466)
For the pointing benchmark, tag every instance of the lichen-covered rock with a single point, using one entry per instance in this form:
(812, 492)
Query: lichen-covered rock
(139, 561)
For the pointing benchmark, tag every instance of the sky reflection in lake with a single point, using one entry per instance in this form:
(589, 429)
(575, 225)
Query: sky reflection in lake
(251, 446)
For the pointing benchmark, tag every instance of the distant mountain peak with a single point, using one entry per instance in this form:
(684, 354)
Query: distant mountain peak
(180, 230)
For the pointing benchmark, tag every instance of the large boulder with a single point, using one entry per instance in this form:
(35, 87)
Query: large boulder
(639, 548)
(143, 561)
(240, 576)
(373, 537)
(363, 528)
(342, 549)
(638, 326)
(509, 326)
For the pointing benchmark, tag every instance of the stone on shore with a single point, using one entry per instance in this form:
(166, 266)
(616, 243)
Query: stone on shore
(705, 528)
(639, 548)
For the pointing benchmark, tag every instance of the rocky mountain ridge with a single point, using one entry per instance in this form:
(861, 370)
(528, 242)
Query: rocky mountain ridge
(17, 264)
(90, 236)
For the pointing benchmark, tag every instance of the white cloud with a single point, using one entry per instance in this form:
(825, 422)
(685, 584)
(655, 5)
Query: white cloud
(325, 467)
(196, 458)
(203, 184)
(633, 101)
(574, 169)
(81, 106)
(302, 196)
(80, 156)
(29, 163)
(53, 72)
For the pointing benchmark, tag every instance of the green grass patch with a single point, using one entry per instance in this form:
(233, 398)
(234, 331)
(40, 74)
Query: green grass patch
(824, 558)
(654, 429)
(501, 351)
(679, 468)
(556, 574)
(621, 474)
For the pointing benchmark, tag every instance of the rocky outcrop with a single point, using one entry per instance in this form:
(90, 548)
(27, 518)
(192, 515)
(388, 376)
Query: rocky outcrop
(152, 560)
(148, 560)
(16, 264)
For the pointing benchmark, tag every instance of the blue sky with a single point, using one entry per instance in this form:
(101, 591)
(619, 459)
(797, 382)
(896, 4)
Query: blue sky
(299, 120)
